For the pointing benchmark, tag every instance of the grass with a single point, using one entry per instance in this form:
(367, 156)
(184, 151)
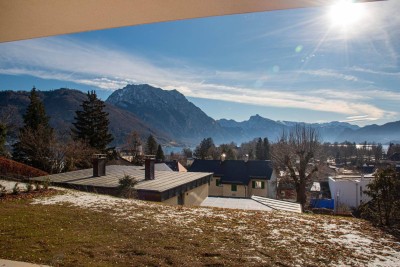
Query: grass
(116, 232)
(65, 235)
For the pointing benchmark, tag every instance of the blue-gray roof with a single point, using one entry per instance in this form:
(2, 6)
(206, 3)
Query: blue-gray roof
(235, 171)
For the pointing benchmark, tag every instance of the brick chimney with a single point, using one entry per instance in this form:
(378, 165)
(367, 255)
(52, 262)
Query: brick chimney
(99, 165)
(149, 169)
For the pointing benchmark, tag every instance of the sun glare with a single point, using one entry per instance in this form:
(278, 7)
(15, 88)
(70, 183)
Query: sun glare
(346, 14)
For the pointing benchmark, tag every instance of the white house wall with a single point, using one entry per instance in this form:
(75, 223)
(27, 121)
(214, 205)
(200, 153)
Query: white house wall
(350, 192)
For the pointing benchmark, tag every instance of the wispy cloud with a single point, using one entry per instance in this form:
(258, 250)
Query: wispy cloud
(66, 59)
(360, 118)
(395, 74)
(331, 74)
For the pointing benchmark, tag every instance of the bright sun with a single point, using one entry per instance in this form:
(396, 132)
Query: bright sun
(346, 14)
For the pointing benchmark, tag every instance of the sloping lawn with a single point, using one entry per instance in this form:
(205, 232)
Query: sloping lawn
(83, 229)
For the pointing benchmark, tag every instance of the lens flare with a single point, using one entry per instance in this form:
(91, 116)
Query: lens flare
(346, 14)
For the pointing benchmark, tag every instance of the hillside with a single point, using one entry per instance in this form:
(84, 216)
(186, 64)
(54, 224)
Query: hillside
(61, 105)
(169, 112)
(78, 228)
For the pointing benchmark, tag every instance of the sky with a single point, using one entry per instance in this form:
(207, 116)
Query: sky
(313, 65)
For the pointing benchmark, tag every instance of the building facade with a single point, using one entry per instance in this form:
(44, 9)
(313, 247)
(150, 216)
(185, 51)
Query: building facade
(238, 178)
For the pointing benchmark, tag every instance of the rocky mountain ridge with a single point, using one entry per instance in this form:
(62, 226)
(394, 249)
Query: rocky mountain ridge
(169, 112)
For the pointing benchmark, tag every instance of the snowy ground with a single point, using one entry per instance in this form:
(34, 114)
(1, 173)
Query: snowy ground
(9, 185)
(355, 242)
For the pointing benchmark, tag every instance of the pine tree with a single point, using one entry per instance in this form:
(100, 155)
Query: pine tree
(35, 114)
(151, 145)
(160, 154)
(266, 149)
(206, 149)
(384, 208)
(36, 137)
(260, 149)
(91, 123)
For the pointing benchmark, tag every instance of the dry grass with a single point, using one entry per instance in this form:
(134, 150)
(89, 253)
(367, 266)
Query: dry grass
(81, 229)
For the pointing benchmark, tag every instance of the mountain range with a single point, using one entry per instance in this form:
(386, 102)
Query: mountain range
(169, 116)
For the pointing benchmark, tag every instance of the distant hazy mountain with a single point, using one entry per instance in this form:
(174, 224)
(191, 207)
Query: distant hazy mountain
(169, 112)
(389, 132)
(258, 126)
(61, 105)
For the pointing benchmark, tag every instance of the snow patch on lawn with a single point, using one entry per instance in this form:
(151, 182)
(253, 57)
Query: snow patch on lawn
(9, 185)
(295, 233)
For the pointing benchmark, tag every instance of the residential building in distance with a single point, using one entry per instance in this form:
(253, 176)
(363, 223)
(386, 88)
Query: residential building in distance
(348, 190)
(238, 178)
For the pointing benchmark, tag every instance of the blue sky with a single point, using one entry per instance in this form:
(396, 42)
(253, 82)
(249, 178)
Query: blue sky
(301, 65)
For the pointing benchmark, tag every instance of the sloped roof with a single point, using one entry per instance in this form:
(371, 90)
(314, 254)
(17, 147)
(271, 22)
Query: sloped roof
(253, 203)
(278, 204)
(235, 171)
(164, 180)
(175, 166)
(162, 167)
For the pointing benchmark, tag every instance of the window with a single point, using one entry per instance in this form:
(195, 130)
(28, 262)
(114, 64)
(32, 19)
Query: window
(258, 184)
(218, 182)
(233, 188)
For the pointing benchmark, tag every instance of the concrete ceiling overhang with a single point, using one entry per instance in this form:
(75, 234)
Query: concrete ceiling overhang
(26, 19)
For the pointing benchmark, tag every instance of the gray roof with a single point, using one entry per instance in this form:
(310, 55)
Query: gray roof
(235, 171)
(164, 180)
(162, 167)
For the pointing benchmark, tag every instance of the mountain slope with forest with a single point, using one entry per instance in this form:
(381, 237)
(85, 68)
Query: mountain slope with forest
(61, 105)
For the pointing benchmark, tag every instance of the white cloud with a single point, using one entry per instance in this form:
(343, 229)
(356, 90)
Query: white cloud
(69, 60)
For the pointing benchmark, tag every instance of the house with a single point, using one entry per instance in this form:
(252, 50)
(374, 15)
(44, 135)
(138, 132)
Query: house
(238, 178)
(395, 157)
(368, 169)
(348, 190)
(167, 186)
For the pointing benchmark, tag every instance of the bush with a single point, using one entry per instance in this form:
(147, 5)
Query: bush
(16, 189)
(29, 186)
(37, 186)
(46, 183)
(126, 186)
(3, 190)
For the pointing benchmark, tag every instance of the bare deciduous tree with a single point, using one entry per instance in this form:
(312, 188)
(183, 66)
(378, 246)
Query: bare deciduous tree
(294, 152)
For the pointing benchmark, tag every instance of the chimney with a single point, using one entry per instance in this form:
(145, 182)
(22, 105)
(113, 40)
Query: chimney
(246, 158)
(149, 169)
(99, 165)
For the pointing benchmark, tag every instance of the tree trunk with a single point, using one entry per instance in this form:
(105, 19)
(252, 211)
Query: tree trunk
(301, 193)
